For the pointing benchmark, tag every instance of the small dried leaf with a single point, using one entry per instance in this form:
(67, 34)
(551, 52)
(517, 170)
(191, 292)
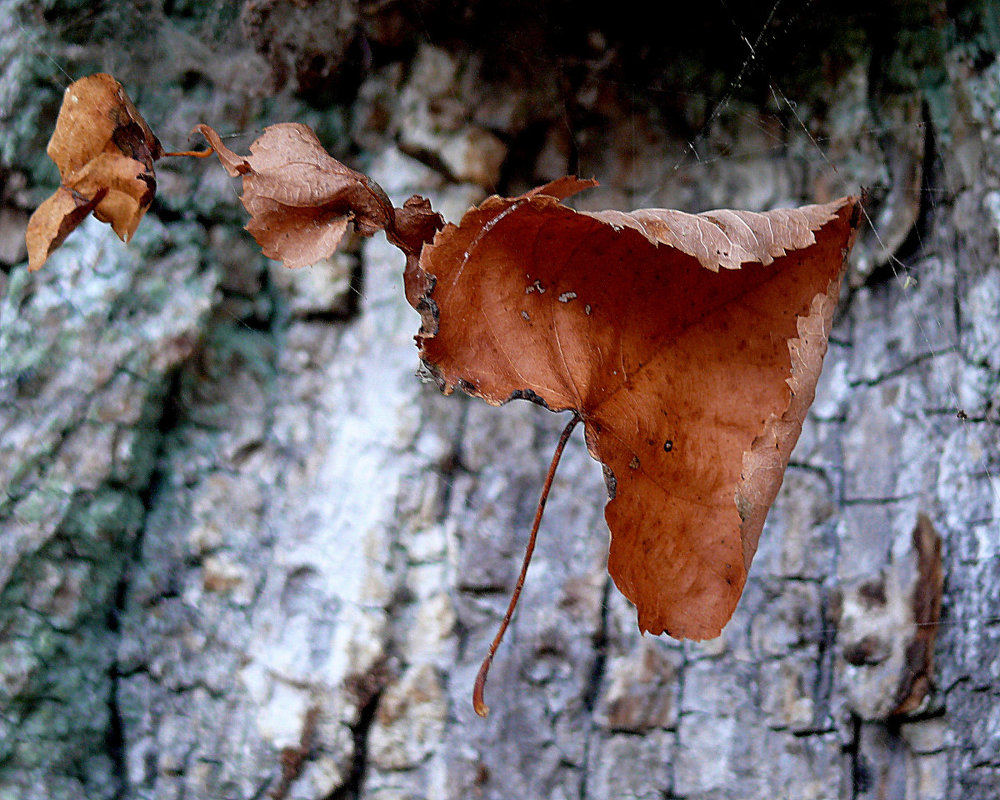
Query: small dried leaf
(692, 382)
(105, 154)
(416, 225)
(126, 186)
(55, 219)
(299, 197)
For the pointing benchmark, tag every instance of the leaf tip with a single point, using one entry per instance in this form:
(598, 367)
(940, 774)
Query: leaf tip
(478, 701)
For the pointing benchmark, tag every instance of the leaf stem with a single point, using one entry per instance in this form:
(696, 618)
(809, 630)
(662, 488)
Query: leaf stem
(477, 692)
(191, 153)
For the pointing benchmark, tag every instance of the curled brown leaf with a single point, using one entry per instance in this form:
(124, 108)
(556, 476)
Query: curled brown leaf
(105, 152)
(690, 346)
(299, 197)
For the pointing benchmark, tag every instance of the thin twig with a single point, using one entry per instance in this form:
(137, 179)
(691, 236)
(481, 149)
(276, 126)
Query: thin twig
(191, 153)
(477, 692)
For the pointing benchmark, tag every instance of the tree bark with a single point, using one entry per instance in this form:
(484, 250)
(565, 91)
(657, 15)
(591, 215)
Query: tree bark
(246, 553)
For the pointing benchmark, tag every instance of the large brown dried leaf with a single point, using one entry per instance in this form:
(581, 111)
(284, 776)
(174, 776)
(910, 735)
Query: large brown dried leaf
(300, 198)
(105, 154)
(692, 382)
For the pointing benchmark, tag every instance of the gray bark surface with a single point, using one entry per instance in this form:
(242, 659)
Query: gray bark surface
(246, 553)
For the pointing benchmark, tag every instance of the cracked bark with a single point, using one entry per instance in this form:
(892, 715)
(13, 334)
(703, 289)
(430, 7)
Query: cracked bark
(323, 546)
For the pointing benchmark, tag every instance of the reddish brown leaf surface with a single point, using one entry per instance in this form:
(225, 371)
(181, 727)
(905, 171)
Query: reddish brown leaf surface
(105, 154)
(690, 345)
(299, 197)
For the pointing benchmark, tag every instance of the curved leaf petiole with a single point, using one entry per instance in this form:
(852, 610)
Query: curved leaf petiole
(480, 686)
